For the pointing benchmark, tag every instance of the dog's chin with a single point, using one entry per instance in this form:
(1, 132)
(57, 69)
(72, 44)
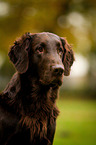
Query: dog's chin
(56, 83)
(53, 83)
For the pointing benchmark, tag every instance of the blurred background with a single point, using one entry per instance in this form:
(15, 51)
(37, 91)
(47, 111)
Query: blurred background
(75, 20)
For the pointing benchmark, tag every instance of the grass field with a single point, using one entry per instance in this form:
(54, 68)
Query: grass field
(76, 124)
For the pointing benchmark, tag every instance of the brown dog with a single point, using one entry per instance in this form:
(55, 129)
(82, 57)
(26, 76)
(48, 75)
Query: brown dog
(27, 106)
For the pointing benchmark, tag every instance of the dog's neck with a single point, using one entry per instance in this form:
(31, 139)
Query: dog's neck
(31, 90)
(40, 94)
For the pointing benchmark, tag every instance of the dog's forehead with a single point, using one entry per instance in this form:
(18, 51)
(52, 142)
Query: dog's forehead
(47, 37)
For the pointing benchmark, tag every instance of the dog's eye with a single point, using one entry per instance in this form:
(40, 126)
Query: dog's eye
(60, 49)
(40, 49)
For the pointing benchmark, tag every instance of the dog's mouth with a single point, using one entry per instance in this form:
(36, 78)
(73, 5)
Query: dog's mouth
(53, 82)
(57, 82)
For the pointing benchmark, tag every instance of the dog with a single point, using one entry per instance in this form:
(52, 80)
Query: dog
(28, 109)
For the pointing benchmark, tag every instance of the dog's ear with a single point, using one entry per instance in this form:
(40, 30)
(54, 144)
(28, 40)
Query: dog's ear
(19, 53)
(68, 56)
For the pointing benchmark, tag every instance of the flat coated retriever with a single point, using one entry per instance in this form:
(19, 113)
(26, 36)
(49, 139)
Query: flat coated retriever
(28, 109)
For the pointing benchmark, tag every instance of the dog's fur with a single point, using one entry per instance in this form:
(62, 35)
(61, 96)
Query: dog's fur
(28, 109)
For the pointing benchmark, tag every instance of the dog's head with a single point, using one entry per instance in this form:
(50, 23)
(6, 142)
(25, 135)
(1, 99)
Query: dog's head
(44, 55)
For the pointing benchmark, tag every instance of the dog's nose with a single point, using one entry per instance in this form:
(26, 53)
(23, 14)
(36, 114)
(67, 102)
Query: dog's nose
(58, 70)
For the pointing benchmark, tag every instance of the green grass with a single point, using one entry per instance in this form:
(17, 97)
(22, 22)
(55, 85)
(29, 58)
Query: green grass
(76, 124)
